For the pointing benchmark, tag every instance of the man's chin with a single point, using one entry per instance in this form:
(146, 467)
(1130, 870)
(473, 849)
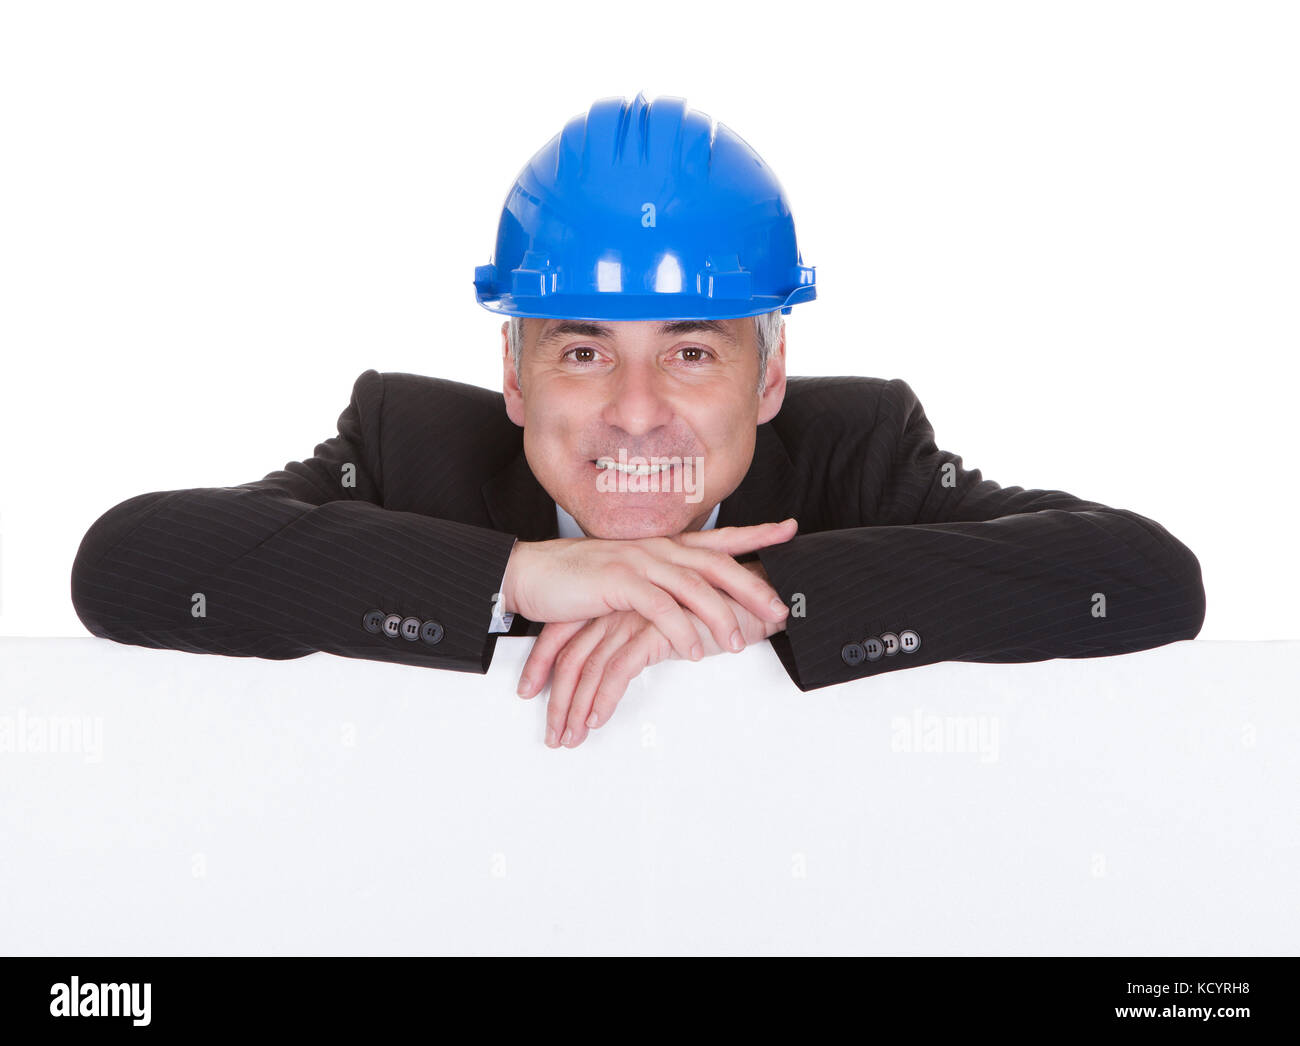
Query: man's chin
(630, 523)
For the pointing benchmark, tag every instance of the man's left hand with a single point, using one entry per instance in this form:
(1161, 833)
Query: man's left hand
(593, 662)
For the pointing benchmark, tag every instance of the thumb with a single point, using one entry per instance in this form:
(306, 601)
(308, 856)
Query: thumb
(735, 540)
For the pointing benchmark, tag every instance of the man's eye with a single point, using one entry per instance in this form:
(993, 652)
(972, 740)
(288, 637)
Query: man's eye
(684, 348)
(694, 348)
(579, 349)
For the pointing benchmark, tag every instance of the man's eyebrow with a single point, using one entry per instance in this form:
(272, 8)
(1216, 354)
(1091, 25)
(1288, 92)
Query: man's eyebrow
(588, 329)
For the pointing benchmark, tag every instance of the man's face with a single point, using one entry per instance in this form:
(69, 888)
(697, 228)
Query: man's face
(685, 389)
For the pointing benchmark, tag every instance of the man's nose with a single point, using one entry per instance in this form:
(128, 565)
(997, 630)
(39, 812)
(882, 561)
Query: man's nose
(638, 400)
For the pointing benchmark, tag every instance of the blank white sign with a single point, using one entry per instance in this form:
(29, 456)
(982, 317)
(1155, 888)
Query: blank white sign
(1143, 804)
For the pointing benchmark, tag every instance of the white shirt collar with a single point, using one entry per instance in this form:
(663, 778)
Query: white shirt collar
(569, 526)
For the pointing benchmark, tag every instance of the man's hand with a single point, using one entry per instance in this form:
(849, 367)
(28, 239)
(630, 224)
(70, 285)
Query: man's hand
(663, 579)
(593, 662)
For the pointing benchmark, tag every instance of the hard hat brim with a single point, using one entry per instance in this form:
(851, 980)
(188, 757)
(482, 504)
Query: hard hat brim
(633, 307)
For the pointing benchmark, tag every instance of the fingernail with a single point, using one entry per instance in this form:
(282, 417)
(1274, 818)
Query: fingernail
(592, 719)
(568, 736)
(737, 641)
(777, 605)
(697, 652)
(550, 736)
(524, 686)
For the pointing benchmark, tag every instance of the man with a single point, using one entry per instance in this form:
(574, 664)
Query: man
(649, 483)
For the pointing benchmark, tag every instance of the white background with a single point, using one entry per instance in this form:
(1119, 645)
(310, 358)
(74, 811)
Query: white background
(1071, 228)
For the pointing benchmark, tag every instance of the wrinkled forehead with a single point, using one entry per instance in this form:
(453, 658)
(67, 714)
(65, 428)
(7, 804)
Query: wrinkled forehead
(550, 330)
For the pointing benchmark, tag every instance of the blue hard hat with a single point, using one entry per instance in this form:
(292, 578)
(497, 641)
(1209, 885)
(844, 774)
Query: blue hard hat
(641, 211)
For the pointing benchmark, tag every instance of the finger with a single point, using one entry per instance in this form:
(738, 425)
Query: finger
(737, 540)
(541, 659)
(589, 679)
(754, 628)
(699, 595)
(564, 680)
(659, 607)
(733, 579)
(644, 649)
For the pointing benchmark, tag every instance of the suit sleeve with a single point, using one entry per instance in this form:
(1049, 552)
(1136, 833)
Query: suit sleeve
(295, 563)
(973, 571)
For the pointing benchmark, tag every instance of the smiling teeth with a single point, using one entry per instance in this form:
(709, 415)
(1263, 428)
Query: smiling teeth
(640, 470)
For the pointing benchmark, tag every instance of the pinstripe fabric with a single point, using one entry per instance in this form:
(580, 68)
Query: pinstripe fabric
(414, 507)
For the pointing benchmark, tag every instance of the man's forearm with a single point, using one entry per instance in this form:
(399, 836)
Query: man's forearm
(1026, 587)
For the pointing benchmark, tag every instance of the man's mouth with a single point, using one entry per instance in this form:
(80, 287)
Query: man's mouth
(629, 470)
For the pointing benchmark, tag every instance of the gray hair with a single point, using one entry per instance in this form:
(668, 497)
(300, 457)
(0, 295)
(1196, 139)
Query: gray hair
(767, 331)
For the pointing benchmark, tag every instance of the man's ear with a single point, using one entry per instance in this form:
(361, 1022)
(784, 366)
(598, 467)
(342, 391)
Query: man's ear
(769, 403)
(509, 383)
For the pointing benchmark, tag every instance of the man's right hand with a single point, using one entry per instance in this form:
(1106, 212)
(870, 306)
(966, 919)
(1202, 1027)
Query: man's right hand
(575, 579)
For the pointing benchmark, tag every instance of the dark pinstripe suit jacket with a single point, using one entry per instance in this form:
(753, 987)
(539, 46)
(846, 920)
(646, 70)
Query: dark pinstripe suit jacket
(895, 537)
